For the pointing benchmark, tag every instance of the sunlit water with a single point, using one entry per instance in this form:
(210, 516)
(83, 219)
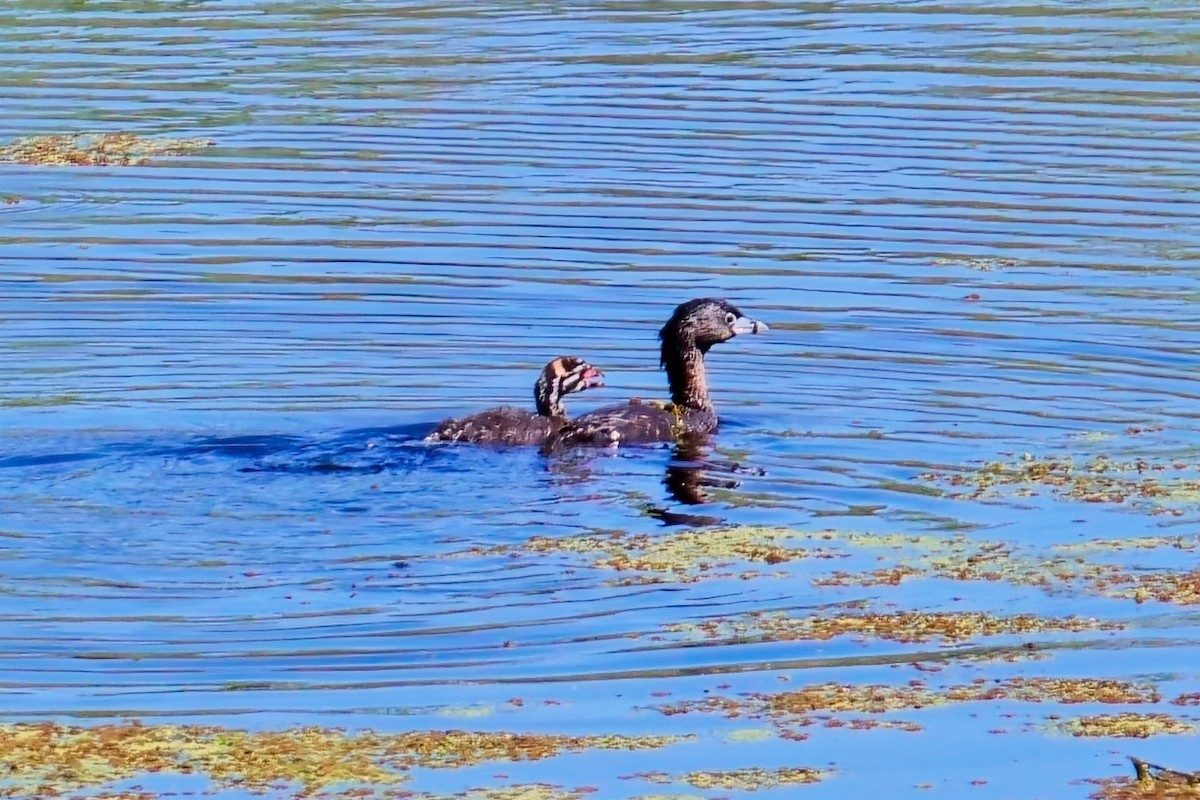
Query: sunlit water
(972, 228)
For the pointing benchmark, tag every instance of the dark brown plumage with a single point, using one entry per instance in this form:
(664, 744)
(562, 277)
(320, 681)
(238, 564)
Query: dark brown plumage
(695, 327)
(508, 425)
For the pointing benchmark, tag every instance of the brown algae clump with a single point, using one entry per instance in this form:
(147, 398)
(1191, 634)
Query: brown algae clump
(878, 699)
(684, 555)
(979, 263)
(1163, 586)
(962, 559)
(1097, 480)
(1181, 588)
(95, 150)
(1130, 725)
(837, 697)
(1187, 544)
(466, 748)
(524, 791)
(901, 626)
(746, 780)
(44, 759)
(694, 555)
(817, 703)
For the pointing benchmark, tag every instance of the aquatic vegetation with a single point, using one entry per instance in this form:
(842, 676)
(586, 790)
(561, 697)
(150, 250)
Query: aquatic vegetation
(47, 758)
(682, 556)
(979, 263)
(963, 559)
(1096, 480)
(816, 705)
(95, 149)
(690, 555)
(1128, 725)
(519, 791)
(916, 694)
(901, 626)
(693, 555)
(525, 791)
(1181, 588)
(747, 780)
(1187, 544)
(40, 402)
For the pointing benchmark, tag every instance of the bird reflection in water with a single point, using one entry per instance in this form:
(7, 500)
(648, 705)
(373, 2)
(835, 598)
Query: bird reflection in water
(693, 476)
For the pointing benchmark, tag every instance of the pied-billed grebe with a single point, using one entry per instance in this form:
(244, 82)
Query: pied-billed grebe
(694, 327)
(508, 425)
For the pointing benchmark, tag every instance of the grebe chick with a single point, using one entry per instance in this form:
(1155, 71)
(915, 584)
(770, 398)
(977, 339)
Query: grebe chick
(508, 425)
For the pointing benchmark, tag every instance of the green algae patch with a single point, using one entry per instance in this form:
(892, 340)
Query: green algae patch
(95, 149)
(467, 712)
(738, 552)
(878, 699)
(518, 791)
(45, 401)
(47, 758)
(1187, 544)
(829, 705)
(524, 791)
(1179, 588)
(962, 559)
(683, 556)
(959, 558)
(44, 759)
(899, 626)
(692, 555)
(746, 780)
(1156, 486)
(978, 263)
(1129, 725)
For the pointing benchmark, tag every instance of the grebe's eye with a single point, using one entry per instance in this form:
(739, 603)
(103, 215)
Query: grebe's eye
(730, 318)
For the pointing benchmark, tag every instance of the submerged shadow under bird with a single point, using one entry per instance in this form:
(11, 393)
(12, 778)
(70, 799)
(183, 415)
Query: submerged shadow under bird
(507, 425)
(692, 330)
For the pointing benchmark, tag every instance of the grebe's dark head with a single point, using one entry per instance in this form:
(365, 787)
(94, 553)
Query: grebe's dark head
(701, 323)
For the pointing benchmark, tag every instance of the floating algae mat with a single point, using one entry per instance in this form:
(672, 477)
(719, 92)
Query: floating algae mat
(44, 759)
(96, 149)
(751, 552)
(684, 556)
(833, 705)
(1157, 486)
(749, 780)
(900, 626)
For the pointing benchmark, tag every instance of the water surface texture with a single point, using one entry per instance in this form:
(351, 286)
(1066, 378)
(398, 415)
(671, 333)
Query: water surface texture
(971, 226)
